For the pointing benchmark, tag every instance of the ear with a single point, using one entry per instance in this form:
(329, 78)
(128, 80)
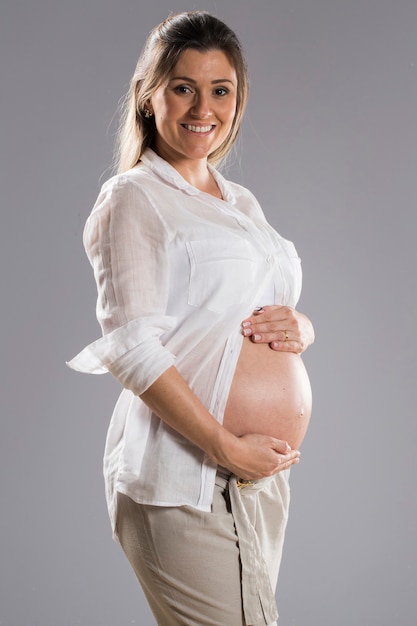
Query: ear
(149, 107)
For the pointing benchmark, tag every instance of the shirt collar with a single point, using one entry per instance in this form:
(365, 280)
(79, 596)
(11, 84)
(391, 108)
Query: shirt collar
(164, 170)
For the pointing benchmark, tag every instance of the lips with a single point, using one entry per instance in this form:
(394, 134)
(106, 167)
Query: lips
(198, 129)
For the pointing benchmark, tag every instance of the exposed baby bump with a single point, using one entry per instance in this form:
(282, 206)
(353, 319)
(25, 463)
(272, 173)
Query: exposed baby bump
(270, 394)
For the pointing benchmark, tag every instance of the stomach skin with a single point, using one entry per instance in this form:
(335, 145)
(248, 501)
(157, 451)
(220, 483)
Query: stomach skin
(270, 394)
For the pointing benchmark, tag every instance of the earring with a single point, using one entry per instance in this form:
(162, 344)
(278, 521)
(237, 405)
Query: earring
(148, 113)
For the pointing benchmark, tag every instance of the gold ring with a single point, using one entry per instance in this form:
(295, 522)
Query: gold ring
(286, 335)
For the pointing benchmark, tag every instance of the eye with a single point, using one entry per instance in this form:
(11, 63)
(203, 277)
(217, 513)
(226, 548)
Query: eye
(182, 89)
(221, 91)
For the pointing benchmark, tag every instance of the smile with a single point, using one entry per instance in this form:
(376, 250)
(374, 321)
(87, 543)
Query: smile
(198, 129)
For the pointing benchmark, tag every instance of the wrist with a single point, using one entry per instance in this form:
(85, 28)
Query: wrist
(222, 446)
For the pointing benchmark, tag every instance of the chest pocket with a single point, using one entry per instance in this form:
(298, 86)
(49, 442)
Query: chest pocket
(221, 272)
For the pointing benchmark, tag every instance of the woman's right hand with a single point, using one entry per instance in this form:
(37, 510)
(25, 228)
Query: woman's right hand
(254, 456)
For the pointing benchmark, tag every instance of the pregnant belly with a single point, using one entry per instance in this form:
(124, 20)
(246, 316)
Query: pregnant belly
(270, 394)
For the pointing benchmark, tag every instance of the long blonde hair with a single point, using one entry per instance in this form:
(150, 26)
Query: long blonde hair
(197, 30)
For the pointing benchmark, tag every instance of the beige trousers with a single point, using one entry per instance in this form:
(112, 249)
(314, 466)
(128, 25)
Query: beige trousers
(210, 569)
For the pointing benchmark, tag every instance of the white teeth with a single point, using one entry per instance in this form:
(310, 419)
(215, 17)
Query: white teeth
(198, 129)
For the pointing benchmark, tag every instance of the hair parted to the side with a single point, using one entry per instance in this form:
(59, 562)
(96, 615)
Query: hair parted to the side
(197, 30)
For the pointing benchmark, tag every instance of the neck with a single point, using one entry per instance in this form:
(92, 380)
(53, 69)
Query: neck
(195, 172)
(200, 177)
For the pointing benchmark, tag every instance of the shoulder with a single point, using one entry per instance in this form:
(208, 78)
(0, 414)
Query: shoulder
(125, 204)
(245, 200)
(232, 189)
(132, 181)
(240, 191)
(124, 192)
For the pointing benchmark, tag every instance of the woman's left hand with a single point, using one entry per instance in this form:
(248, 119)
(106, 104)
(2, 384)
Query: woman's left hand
(284, 328)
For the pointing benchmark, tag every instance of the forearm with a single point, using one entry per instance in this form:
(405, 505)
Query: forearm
(250, 456)
(174, 402)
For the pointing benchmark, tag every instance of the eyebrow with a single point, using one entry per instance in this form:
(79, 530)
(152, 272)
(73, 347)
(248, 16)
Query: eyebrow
(191, 80)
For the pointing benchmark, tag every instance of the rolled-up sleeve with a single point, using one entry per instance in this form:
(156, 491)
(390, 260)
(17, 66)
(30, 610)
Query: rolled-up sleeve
(127, 241)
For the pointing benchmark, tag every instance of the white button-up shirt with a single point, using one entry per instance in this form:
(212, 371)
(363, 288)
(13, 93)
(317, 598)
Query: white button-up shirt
(177, 270)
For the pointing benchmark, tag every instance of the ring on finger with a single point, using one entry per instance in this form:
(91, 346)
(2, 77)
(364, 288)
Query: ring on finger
(286, 335)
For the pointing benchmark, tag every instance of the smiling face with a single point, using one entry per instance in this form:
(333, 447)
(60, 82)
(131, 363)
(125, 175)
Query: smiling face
(195, 107)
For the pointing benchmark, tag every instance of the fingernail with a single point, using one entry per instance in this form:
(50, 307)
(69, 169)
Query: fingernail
(245, 324)
(258, 308)
(246, 332)
(256, 337)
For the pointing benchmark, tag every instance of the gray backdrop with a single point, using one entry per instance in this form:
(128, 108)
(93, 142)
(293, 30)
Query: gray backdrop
(329, 146)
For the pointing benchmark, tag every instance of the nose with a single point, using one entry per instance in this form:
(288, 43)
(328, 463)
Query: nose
(201, 106)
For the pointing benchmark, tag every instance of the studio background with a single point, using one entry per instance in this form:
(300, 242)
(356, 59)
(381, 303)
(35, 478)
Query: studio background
(329, 147)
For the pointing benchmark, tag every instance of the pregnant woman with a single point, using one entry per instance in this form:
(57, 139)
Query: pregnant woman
(196, 301)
